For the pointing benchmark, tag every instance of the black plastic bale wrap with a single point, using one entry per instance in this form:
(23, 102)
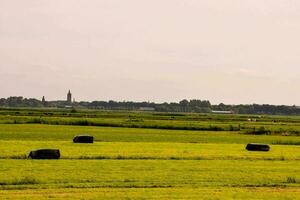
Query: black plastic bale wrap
(45, 154)
(83, 139)
(257, 147)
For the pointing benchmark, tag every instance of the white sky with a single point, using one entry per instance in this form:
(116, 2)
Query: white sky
(231, 51)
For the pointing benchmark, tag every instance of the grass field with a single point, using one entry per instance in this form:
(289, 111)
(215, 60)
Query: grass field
(148, 163)
(210, 193)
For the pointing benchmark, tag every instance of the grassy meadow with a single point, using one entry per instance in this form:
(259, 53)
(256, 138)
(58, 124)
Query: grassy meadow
(148, 155)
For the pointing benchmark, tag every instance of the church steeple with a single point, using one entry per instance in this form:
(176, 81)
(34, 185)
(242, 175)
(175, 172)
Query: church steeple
(44, 101)
(69, 97)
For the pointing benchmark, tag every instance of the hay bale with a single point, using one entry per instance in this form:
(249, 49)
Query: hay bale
(83, 139)
(257, 147)
(45, 154)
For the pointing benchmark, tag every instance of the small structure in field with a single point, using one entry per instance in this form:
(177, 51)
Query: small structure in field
(257, 147)
(222, 112)
(83, 139)
(45, 154)
(147, 109)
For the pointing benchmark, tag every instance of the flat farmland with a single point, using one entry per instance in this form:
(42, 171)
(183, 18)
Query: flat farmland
(149, 163)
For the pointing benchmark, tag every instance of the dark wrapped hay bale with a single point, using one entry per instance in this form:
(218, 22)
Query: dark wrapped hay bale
(83, 139)
(45, 154)
(257, 147)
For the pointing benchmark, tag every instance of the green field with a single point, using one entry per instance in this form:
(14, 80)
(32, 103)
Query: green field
(175, 159)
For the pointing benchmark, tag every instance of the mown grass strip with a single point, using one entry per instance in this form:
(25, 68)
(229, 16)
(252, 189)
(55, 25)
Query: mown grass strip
(16, 149)
(147, 173)
(264, 193)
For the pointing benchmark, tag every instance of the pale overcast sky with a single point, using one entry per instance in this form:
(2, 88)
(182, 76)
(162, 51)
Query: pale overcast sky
(231, 51)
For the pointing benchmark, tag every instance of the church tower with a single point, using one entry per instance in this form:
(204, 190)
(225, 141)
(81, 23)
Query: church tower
(44, 101)
(69, 97)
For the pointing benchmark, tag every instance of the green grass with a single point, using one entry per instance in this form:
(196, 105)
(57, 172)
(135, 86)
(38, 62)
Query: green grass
(147, 173)
(147, 163)
(31, 132)
(210, 193)
(16, 149)
(275, 125)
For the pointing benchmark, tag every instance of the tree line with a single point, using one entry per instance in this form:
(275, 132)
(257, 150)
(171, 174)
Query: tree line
(194, 105)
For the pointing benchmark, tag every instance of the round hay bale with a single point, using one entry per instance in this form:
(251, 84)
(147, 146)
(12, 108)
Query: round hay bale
(83, 139)
(257, 147)
(45, 154)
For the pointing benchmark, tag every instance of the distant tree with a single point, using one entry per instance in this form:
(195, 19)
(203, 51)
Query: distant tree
(184, 105)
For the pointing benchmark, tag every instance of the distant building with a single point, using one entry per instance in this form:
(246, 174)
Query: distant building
(69, 97)
(147, 108)
(222, 112)
(43, 101)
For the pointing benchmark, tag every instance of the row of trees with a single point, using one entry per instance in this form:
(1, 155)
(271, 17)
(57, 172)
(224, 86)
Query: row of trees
(20, 102)
(194, 105)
